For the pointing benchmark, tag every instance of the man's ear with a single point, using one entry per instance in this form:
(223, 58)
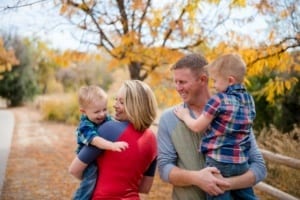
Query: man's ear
(203, 78)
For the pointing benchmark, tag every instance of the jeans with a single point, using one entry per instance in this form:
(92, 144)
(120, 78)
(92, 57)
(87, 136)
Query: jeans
(227, 170)
(87, 184)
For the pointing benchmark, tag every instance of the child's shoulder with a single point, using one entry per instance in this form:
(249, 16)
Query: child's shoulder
(109, 118)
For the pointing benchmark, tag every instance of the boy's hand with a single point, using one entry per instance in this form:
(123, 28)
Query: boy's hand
(181, 112)
(119, 146)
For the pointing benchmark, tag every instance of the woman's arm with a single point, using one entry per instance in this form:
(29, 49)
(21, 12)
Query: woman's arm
(146, 184)
(86, 155)
(77, 167)
(147, 181)
(257, 171)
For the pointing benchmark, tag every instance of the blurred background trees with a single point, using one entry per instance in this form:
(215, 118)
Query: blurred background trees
(140, 39)
(145, 37)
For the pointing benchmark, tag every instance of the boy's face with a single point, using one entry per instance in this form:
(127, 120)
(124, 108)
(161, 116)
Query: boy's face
(96, 111)
(220, 83)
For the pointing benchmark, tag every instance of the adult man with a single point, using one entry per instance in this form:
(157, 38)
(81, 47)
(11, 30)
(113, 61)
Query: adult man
(179, 161)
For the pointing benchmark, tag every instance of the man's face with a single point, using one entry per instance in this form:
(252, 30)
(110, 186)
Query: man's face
(187, 84)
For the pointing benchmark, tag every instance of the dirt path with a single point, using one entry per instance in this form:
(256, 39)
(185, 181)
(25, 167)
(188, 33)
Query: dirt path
(40, 154)
(39, 158)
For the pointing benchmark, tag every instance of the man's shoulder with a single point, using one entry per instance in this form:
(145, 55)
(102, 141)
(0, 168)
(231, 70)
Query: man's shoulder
(168, 116)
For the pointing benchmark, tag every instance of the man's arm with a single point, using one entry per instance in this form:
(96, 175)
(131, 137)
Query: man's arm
(167, 158)
(204, 179)
(257, 171)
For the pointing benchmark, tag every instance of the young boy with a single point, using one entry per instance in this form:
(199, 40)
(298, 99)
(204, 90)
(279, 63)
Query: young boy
(227, 118)
(93, 106)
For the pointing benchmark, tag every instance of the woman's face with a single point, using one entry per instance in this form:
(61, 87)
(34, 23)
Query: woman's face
(119, 106)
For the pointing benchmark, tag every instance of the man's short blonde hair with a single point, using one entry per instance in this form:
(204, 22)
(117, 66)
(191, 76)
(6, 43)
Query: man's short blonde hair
(140, 104)
(90, 94)
(228, 65)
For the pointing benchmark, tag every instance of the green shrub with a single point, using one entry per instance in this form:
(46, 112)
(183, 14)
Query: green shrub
(19, 84)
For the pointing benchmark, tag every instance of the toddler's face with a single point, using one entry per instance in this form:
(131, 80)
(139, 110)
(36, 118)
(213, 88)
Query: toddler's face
(220, 83)
(97, 111)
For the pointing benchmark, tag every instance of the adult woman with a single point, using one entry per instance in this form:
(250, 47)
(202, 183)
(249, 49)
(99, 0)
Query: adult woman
(123, 175)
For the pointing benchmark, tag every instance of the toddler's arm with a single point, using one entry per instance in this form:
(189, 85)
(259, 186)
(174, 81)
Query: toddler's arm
(102, 143)
(197, 125)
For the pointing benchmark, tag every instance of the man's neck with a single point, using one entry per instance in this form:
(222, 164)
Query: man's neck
(198, 105)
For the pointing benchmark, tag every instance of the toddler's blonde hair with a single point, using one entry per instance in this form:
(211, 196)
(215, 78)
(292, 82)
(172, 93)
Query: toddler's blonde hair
(228, 65)
(90, 94)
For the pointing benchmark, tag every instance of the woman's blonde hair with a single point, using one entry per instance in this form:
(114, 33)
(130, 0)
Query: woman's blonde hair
(140, 104)
(90, 94)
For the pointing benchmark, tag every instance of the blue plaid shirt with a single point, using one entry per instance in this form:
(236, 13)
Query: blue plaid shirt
(87, 130)
(227, 138)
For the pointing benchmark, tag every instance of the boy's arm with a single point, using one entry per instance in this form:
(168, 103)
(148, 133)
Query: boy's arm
(197, 125)
(200, 124)
(102, 143)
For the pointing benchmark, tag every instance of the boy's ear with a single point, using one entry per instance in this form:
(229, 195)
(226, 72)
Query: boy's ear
(81, 110)
(231, 80)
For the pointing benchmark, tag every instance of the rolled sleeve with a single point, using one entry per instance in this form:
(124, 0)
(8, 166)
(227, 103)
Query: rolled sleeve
(167, 156)
(256, 161)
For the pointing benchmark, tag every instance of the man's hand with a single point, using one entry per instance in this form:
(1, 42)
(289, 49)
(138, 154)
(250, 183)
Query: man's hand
(210, 180)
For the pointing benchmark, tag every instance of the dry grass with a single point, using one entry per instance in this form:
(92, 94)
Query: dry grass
(288, 144)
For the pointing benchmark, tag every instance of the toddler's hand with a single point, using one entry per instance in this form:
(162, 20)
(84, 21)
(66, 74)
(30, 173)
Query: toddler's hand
(120, 146)
(181, 112)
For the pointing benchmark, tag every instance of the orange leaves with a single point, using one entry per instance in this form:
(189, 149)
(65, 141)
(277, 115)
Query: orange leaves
(264, 7)
(70, 7)
(234, 3)
(157, 18)
(137, 4)
(240, 3)
(67, 58)
(7, 58)
(63, 9)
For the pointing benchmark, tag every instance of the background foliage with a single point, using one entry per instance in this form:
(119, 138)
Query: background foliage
(145, 38)
(140, 40)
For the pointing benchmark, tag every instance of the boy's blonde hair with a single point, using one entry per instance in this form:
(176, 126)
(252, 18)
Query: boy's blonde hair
(140, 104)
(228, 65)
(90, 94)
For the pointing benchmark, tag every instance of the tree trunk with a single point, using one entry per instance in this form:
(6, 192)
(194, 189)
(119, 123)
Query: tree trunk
(135, 71)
